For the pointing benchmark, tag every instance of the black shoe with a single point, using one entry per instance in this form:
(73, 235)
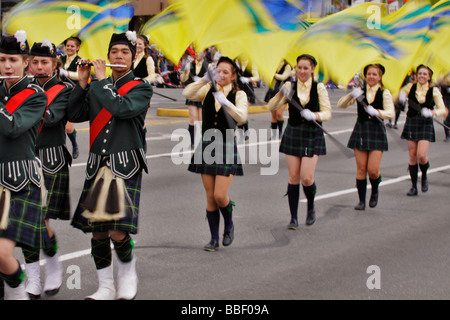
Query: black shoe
(389, 125)
(311, 217)
(75, 152)
(412, 192)
(360, 206)
(213, 245)
(228, 237)
(293, 225)
(424, 185)
(373, 200)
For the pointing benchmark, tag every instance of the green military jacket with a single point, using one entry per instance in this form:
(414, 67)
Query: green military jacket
(18, 162)
(122, 138)
(51, 140)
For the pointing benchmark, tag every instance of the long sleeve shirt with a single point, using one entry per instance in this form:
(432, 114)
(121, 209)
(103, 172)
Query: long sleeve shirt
(421, 95)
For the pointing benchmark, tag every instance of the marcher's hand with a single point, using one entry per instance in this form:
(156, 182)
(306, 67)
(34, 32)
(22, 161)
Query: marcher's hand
(356, 92)
(63, 73)
(213, 72)
(402, 97)
(244, 80)
(84, 72)
(308, 115)
(99, 69)
(426, 113)
(371, 111)
(220, 97)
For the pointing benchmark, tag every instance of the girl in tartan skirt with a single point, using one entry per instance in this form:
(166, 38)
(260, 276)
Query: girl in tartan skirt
(443, 81)
(424, 103)
(55, 159)
(303, 142)
(116, 108)
(369, 139)
(22, 190)
(217, 158)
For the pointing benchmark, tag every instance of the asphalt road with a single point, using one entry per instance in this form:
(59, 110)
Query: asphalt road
(398, 250)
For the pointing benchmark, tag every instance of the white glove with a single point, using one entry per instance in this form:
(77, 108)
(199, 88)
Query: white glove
(196, 78)
(426, 113)
(371, 111)
(244, 80)
(308, 115)
(63, 73)
(220, 97)
(356, 92)
(402, 97)
(185, 66)
(213, 72)
(189, 59)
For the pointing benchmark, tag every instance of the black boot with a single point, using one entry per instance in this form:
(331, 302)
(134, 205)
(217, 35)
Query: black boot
(374, 196)
(310, 193)
(293, 194)
(228, 233)
(424, 169)
(361, 185)
(413, 171)
(191, 129)
(213, 222)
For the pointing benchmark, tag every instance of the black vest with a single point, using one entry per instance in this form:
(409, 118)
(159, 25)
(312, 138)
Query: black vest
(377, 104)
(295, 118)
(216, 120)
(429, 102)
(141, 69)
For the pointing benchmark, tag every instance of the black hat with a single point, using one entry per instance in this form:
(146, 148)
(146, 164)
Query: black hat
(380, 66)
(309, 57)
(43, 49)
(73, 38)
(226, 59)
(127, 38)
(16, 44)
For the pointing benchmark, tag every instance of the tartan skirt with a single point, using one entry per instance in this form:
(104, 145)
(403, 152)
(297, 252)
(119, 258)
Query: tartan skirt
(216, 159)
(127, 224)
(58, 199)
(305, 140)
(419, 128)
(368, 136)
(26, 219)
(198, 104)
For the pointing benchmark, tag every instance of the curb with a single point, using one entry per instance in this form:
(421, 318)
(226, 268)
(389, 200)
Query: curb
(172, 112)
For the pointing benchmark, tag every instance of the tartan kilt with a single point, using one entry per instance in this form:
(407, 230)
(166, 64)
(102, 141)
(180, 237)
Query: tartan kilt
(368, 136)
(305, 140)
(58, 199)
(229, 163)
(26, 224)
(419, 128)
(198, 104)
(127, 224)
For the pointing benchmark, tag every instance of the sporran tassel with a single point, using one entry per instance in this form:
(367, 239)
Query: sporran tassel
(112, 201)
(4, 208)
(90, 203)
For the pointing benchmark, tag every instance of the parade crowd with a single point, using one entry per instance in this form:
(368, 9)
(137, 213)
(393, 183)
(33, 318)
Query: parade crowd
(45, 89)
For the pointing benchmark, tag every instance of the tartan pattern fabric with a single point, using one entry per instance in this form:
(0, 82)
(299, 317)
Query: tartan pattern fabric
(101, 253)
(230, 163)
(127, 224)
(198, 104)
(419, 128)
(26, 219)
(368, 135)
(58, 199)
(304, 140)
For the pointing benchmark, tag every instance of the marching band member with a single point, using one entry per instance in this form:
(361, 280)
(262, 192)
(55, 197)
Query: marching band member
(22, 190)
(369, 139)
(108, 208)
(283, 74)
(69, 71)
(424, 103)
(144, 66)
(55, 159)
(443, 81)
(303, 141)
(217, 175)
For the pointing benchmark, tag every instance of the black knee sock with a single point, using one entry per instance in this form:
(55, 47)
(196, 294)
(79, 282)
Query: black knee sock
(424, 169)
(361, 185)
(53, 248)
(73, 137)
(310, 193)
(191, 133)
(293, 193)
(15, 279)
(101, 252)
(124, 248)
(227, 213)
(280, 127)
(30, 254)
(273, 125)
(213, 221)
(375, 183)
(413, 171)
